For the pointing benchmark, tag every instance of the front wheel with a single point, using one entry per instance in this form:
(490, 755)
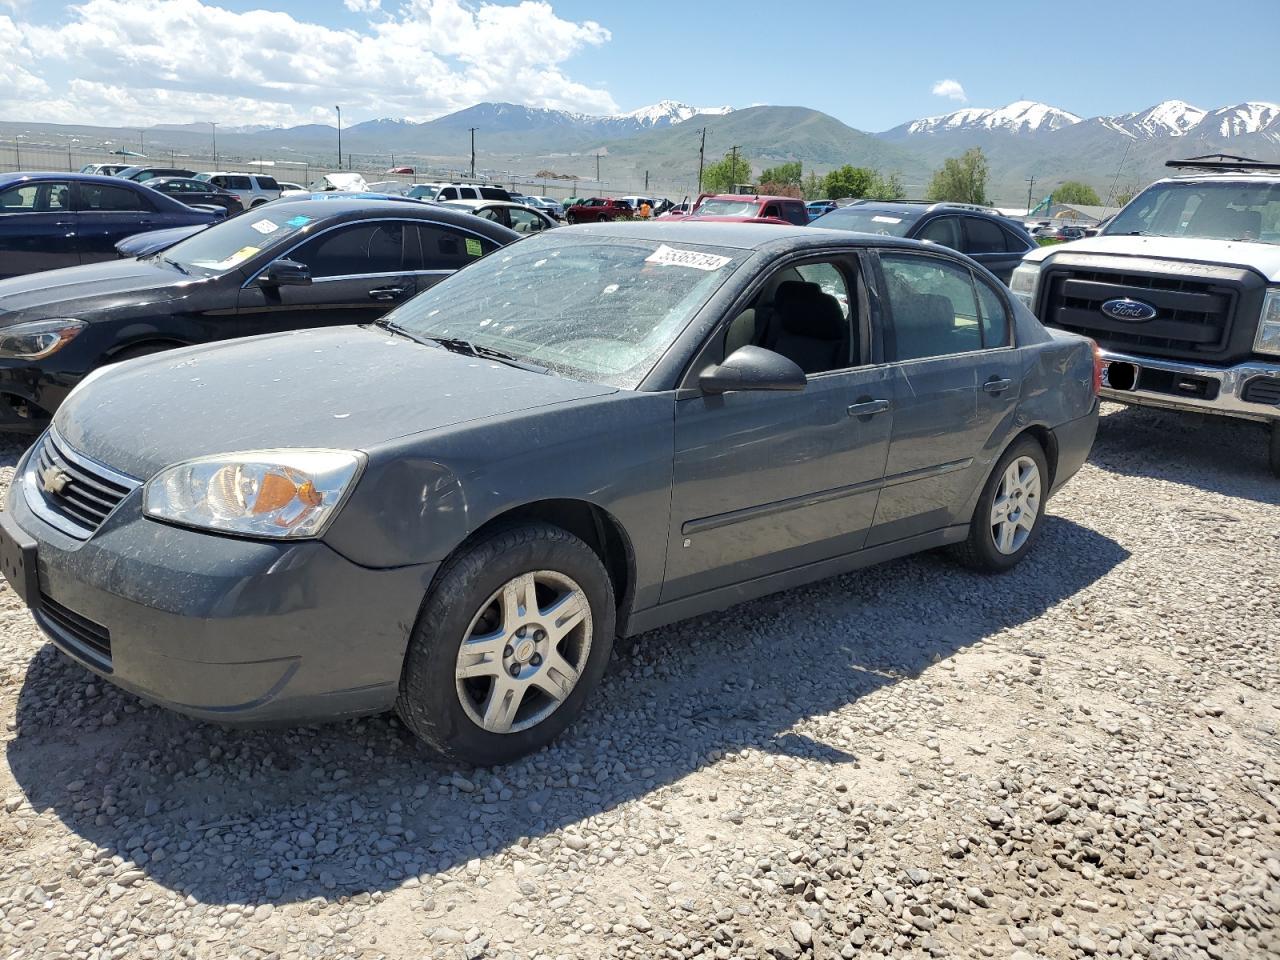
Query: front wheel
(513, 637)
(1275, 447)
(1010, 511)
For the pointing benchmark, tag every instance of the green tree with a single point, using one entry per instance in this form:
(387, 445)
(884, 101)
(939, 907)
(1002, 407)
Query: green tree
(813, 187)
(721, 176)
(962, 179)
(886, 187)
(848, 181)
(787, 173)
(1125, 194)
(1075, 192)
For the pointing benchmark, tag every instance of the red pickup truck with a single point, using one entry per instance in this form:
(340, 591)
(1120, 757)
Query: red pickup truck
(597, 209)
(746, 208)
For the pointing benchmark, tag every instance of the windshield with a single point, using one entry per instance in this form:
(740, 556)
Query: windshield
(713, 207)
(889, 223)
(585, 307)
(1221, 210)
(226, 245)
(423, 191)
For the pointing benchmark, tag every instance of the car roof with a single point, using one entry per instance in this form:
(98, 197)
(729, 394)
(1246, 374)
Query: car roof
(472, 204)
(8, 179)
(748, 196)
(738, 235)
(335, 206)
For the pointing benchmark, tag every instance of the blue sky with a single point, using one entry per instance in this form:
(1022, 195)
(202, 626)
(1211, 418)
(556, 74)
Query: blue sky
(872, 65)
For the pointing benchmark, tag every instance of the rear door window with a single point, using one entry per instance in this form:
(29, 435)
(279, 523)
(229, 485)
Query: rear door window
(525, 221)
(933, 305)
(239, 183)
(444, 248)
(365, 248)
(106, 198)
(995, 319)
(268, 183)
(982, 236)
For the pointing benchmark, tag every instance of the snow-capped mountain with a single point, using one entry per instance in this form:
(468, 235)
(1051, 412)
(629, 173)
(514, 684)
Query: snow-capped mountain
(1021, 116)
(1169, 118)
(1253, 116)
(667, 112)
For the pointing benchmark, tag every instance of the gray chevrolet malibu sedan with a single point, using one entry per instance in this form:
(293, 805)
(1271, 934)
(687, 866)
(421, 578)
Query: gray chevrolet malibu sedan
(454, 511)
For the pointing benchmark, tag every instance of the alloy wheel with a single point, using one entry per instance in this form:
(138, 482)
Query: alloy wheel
(524, 651)
(1016, 505)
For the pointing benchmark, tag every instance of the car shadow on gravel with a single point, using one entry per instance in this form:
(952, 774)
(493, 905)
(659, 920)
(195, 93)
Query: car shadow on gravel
(280, 816)
(1214, 454)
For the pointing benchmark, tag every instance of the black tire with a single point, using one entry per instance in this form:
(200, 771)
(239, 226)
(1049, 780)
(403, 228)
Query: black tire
(430, 701)
(979, 550)
(1275, 447)
(571, 219)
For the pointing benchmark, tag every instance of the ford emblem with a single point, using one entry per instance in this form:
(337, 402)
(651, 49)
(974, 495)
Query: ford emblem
(1130, 311)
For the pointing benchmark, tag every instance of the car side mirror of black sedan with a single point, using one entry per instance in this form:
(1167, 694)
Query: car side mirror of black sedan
(285, 273)
(752, 368)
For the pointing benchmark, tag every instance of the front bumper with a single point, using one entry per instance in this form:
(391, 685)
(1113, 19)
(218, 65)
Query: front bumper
(219, 628)
(1193, 387)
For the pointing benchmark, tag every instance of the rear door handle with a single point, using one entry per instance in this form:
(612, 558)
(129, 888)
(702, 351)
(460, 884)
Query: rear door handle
(868, 408)
(997, 385)
(386, 293)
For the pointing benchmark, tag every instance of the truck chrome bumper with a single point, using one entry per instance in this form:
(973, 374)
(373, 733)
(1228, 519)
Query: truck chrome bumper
(1154, 382)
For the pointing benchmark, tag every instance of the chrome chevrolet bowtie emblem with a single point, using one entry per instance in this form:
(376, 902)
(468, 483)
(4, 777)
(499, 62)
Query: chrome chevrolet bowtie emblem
(53, 480)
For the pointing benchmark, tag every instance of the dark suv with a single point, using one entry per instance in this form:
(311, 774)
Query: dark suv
(994, 241)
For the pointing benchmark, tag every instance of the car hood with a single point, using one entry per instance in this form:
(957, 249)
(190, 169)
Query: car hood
(60, 293)
(1261, 257)
(347, 388)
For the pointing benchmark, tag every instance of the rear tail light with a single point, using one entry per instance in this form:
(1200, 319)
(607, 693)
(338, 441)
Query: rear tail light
(1097, 368)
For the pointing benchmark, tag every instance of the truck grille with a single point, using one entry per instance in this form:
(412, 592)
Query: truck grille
(1193, 316)
(78, 493)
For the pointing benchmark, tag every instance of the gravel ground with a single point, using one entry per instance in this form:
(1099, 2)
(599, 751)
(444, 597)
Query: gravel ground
(1077, 759)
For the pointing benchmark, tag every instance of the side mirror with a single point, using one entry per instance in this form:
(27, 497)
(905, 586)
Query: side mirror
(285, 273)
(753, 368)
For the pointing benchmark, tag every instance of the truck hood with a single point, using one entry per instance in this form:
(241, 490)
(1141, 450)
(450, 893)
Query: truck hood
(1264, 258)
(62, 293)
(347, 388)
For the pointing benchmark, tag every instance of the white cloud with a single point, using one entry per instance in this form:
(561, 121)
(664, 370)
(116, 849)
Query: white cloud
(362, 6)
(950, 89)
(151, 61)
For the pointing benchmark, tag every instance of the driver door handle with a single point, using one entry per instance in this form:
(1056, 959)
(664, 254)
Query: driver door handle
(997, 385)
(868, 408)
(386, 293)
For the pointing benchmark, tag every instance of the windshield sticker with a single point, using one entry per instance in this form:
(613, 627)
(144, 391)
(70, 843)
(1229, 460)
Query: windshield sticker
(878, 218)
(240, 256)
(474, 249)
(265, 226)
(671, 257)
(298, 221)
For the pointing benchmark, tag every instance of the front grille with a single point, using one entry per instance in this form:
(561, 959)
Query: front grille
(1193, 316)
(80, 634)
(1263, 390)
(76, 489)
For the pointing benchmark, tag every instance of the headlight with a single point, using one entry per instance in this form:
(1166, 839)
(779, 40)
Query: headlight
(1268, 338)
(38, 338)
(1023, 283)
(262, 493)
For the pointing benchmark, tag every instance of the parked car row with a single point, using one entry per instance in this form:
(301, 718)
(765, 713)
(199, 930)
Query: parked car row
(469, 482)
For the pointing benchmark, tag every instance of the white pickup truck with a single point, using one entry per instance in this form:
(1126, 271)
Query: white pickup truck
(1181, 291)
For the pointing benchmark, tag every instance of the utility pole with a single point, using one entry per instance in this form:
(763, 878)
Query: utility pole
(702, 153)
(473, 152)
(646, 181)
(142, 142)
(214, 125)
(1031, 185)
(597, 166)
(733, 169)
(339, 109)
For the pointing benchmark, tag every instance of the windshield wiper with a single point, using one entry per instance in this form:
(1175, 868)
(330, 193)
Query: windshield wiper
(173, 263)
(467, 347)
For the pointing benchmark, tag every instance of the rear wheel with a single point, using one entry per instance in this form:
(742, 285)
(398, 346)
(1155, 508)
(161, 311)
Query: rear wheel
(570, 219)
(512, 639)
(1275, 447)
(1010, 511)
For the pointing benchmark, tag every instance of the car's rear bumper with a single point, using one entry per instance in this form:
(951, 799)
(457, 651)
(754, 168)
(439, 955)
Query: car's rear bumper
(1250, 391)
(1073, 441)
(219, 628)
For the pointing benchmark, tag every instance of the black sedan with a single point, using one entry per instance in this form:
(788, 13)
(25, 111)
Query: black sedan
(197, 193)
(304, 263)
(50, 220)
(595, 432)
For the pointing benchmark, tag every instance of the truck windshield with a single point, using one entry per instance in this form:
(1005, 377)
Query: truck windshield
(713, 207)
(1235, 209)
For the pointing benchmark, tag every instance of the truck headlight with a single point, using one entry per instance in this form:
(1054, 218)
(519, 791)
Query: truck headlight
(282, 494)
(1268, 338)
(37, 339)
(1023, 283)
